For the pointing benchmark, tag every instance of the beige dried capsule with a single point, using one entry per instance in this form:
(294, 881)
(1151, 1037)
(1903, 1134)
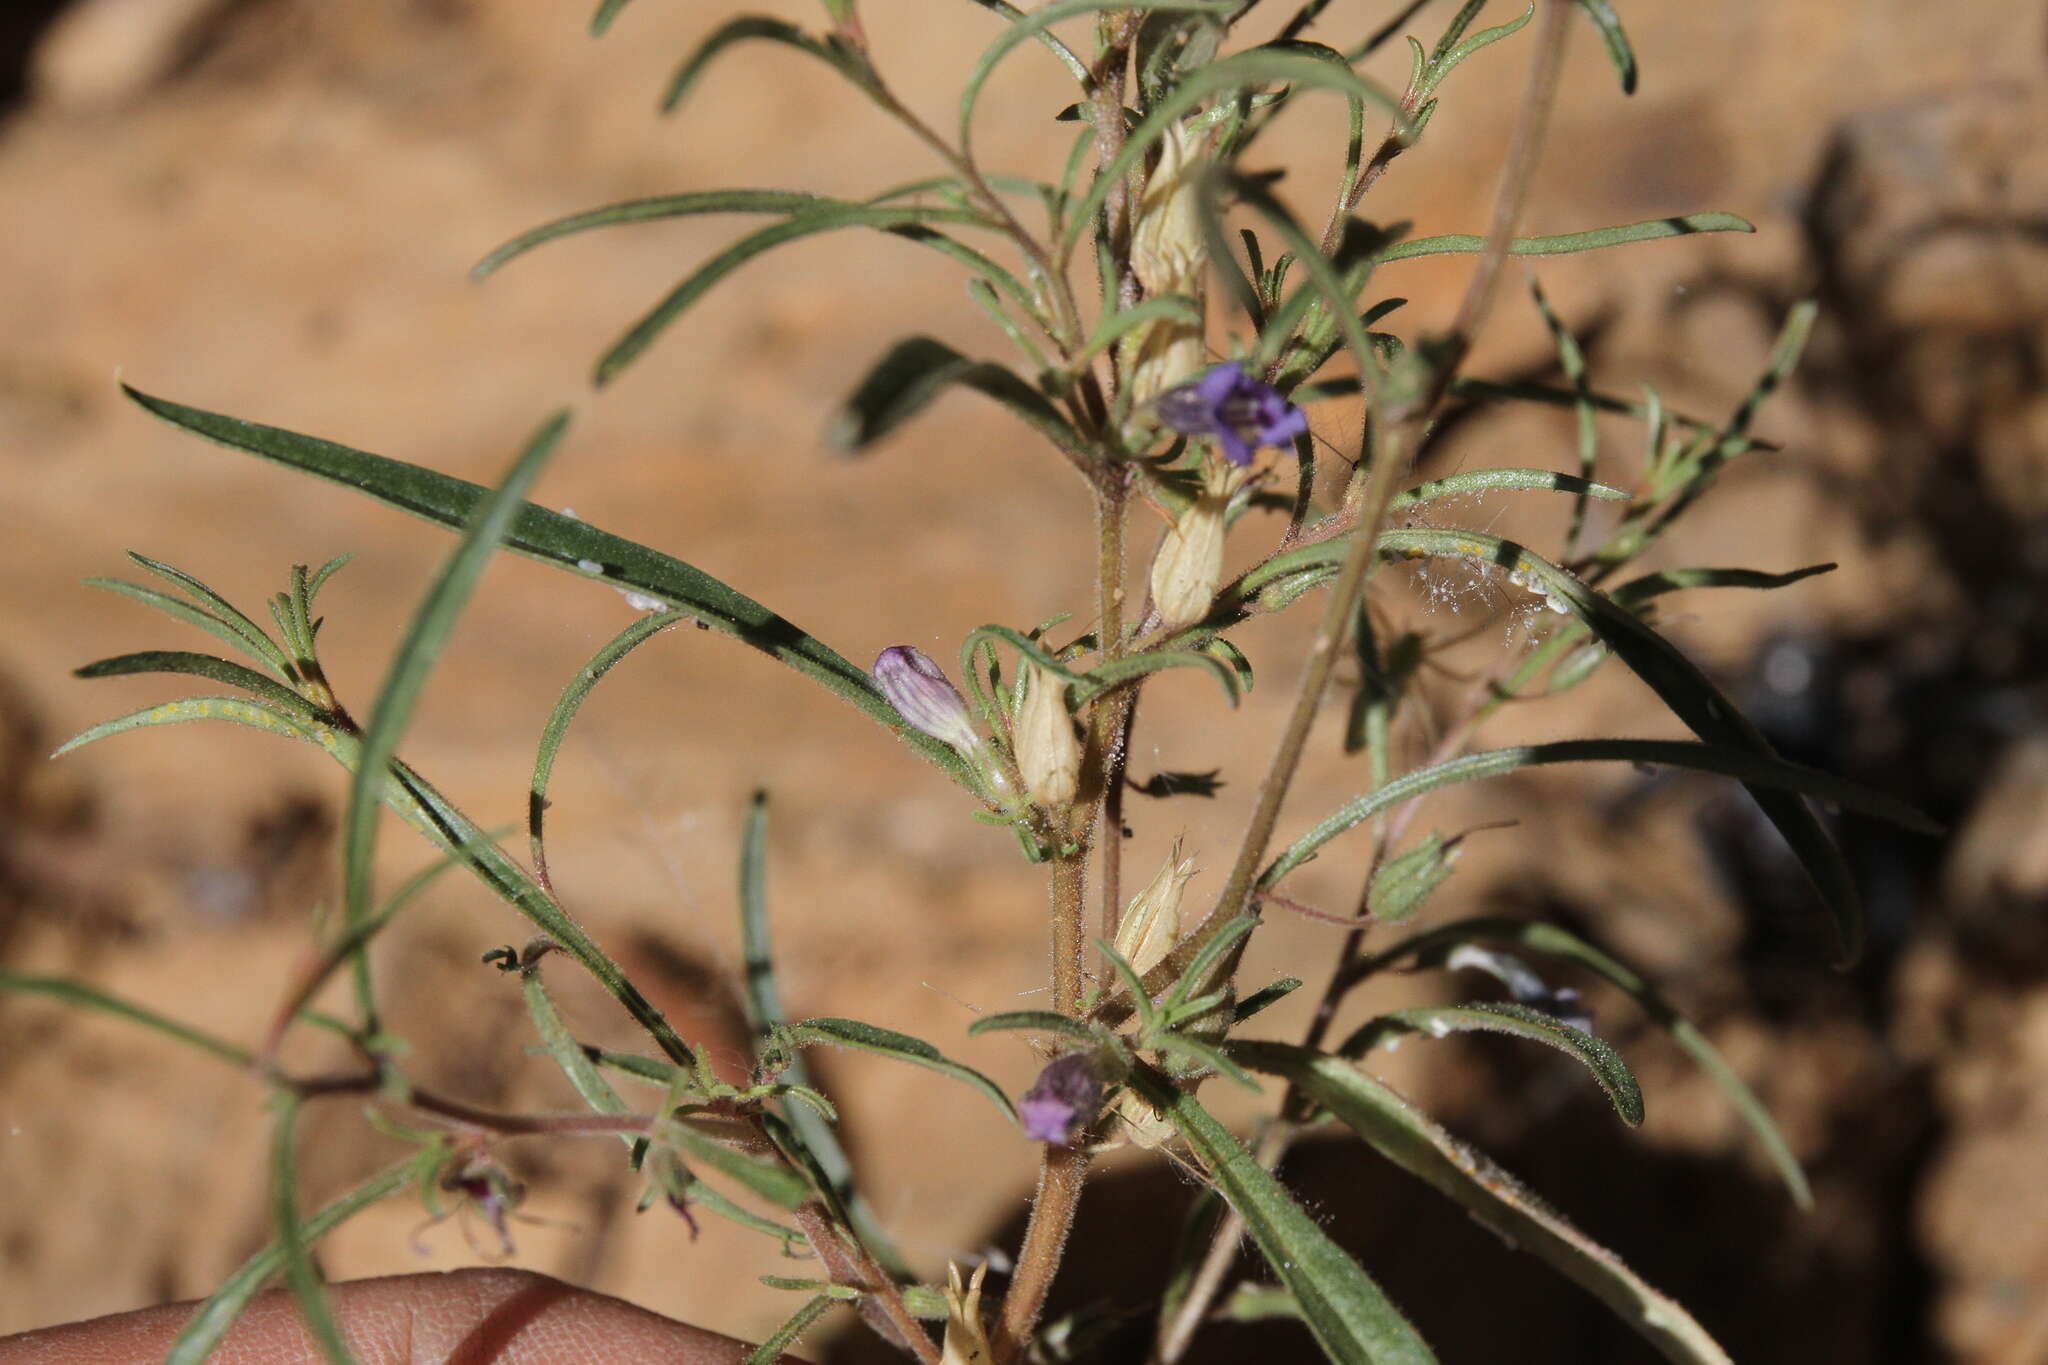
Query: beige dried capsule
(966, 1337)
(1151, 922)
(1169, 255)
(1048, 752)
(1189, 565)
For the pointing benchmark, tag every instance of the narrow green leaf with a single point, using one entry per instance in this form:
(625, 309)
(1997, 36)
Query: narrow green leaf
(1707, 758)
(1236, 72)
(421, 648)
(785, 1336)
(1520, 1021)
(211, 1321)
(772, 1181)
(1571, 360)
(569, 544)
(1197, 1056)
(1688, 692)
(1447, 57)
(766, 1014)
(1076, 68)
(238, 710)
(1115, 326)
(851, 1033)
(572, 698)
(1039, 1021)
(906, 221)
(1637, 591)
(568, 1054)
(1650, 230)
(253, 637)
(1485, 480)
(914, 372)
(1618, 50)
(1409, 1139)
(650, 210)
(1404, 882)
(1033, 25)
(262, 648)
(1352, 1319)
(202, 666)
(1128, 668)
(1432, 948)
(300, 1274)
(81, 996)
(760, 27)
(1263, 998)
(607, 10)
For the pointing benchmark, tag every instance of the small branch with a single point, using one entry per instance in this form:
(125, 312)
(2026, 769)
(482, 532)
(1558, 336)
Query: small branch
(881, 1302)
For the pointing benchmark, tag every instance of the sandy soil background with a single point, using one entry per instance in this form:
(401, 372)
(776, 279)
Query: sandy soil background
(268, 209)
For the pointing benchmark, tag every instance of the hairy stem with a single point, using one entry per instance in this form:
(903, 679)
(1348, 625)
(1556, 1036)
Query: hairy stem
(1060, 1175)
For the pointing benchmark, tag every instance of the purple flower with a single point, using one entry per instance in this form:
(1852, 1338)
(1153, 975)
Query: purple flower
(1062, 1101)
(924, 697)
(1241, 413)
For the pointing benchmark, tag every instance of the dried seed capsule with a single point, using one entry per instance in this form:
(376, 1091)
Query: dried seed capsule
(1189, 565)
(1048, 752)
(1151, 922)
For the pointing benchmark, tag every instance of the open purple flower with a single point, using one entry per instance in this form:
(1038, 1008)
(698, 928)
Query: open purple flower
(1241, 413)
(1062, 1101)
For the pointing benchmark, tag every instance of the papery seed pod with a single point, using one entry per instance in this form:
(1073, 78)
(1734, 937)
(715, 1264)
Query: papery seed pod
(1189, 565)
(1169, 255)
(925, 697)
(966, 1337)
(1151, 922)
(1048, 752)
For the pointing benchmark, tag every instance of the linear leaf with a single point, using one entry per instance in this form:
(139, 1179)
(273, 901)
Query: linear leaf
(905, 220)
(1076, 68)
(1618, 49)
(81, 996)
(1041, 1021)
(1409, 1139)
(851, 1033)
(772, 1181)
(607, 10)
(263, 649)
(570, 544)
(1484, 480)
(1034, 25)
(571, 701)
(760, 27)
(1520, 1021)
(1688, 692)
(650, 210)
(785, 1336)
(218, 606)
(1352, 1319)
(211, 1321)
(415, 801)
(1432, 948)
(420, 649)
(1707, 758)
(1634, 593)
(1256, 67)
(914, 372)
(1127, 668)
(202, 666)
(766, 1013)
(300, 1274)
(238, 710)
(1650, 230)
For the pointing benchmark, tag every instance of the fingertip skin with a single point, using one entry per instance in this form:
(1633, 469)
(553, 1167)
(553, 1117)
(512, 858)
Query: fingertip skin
(462, 1317)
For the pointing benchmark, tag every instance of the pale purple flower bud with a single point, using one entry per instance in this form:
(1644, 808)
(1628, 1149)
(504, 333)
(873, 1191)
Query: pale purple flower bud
(924, 697)
(1237, 410)
(1062, 1101)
